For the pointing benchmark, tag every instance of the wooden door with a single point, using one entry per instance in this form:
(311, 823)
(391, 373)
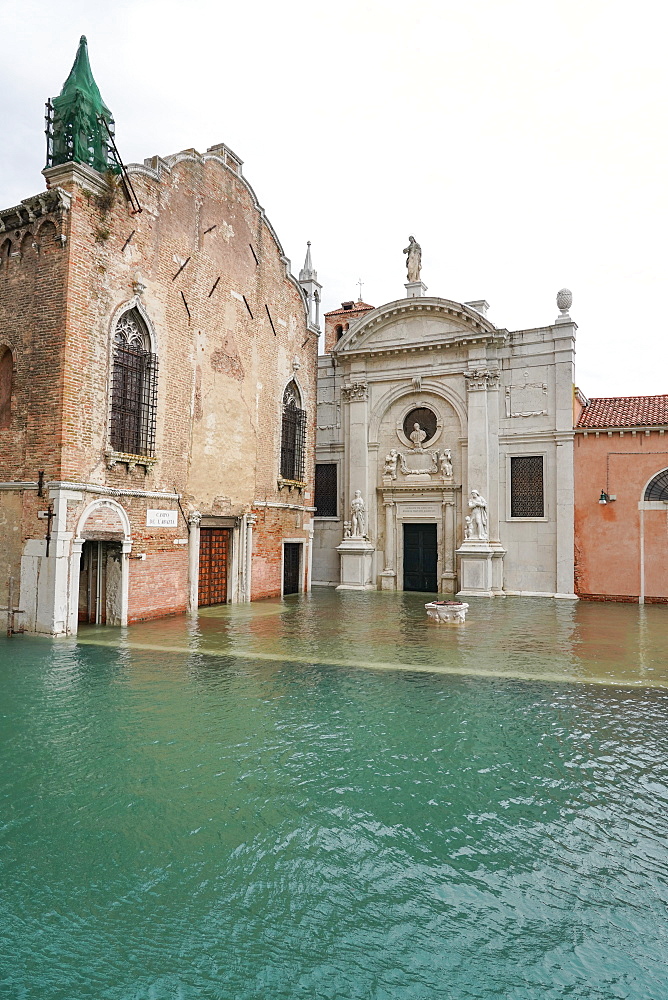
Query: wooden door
(214, 546)
(420, 558)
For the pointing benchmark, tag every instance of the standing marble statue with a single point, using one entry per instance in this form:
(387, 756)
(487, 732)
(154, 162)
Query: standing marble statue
(414, 259)
(357, 512)
(478, 506)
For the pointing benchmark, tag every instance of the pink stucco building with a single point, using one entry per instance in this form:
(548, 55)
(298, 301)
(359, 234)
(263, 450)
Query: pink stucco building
(621, 498)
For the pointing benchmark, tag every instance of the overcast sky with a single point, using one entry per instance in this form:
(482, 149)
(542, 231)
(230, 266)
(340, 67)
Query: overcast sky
(523, 143)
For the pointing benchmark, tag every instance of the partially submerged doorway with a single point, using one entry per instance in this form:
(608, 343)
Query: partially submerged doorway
(291, 567)
(420, 558)
(100, 579)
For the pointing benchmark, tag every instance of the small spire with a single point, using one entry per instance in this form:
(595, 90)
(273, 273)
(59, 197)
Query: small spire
(307, 273)
(75, 131)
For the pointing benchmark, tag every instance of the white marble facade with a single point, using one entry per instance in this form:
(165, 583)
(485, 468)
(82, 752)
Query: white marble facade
(481, 396)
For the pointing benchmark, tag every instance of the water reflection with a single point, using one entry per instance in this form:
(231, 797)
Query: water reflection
(529, 639)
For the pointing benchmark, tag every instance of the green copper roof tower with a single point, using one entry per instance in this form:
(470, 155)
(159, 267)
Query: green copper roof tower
(78, 122)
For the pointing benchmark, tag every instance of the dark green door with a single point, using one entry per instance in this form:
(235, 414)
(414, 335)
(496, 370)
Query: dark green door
(420, 558)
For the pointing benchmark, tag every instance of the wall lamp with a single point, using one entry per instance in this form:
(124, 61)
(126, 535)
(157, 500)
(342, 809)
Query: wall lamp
(606, 497)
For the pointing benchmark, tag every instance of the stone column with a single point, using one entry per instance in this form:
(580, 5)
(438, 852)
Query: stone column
(389, 575)
(483, 436)
(251, 520)
(356, 392)
(564, 351)
(448, 572)
(309, 571)
(126, 549)
(194, 519)
(481, 561)
(75, 576)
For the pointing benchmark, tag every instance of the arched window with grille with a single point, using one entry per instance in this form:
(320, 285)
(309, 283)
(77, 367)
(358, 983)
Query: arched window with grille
(657, 488)
(134, 387)
(293, 435)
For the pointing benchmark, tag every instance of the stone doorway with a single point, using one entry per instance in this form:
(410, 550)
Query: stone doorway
(420, 558)
(214, 548)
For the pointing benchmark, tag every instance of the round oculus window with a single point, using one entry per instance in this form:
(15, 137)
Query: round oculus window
(425, 418)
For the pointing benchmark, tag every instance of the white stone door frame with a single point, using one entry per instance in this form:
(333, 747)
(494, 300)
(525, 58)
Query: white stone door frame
(402, 506)
(75, 559)
(302, 564)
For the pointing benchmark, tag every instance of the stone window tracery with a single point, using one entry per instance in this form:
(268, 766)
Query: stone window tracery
(293, 435)
(134, 385)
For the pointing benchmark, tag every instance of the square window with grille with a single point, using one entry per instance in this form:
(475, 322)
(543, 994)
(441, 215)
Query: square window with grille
(526, 486)
(325, 490)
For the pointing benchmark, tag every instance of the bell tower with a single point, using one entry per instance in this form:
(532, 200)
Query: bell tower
(79, 125)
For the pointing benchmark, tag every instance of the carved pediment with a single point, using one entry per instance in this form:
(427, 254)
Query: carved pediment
(416, 324)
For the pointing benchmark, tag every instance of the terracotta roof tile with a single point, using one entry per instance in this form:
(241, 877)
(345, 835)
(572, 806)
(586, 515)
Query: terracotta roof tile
(625, 411)
(356, 307)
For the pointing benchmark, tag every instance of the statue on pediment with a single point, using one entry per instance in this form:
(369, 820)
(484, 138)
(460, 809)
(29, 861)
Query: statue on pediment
(414, 259)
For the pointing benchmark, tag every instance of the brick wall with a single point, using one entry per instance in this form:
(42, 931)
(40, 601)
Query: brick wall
(158, 585)
(204, 269)
(272, 527)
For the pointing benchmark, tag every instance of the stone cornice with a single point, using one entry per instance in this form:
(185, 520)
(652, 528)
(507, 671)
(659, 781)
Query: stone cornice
(416, 492)
(108, 491)
(476, 327)
(50, 202)
(621, 431)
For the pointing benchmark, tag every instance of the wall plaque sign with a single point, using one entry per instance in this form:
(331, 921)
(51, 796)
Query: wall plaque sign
(161, 518)
(419, 509)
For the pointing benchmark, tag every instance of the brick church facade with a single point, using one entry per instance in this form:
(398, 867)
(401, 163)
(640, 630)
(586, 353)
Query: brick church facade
(157, 384)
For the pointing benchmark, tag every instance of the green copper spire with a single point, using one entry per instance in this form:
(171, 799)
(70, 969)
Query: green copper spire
(75, 131)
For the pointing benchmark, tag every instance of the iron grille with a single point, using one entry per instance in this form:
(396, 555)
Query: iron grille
(325, 490)
(293, 442)
(658, 488)
(134, 400)
(526, 486)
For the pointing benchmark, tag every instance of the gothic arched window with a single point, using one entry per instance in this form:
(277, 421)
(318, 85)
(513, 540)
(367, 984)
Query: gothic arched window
(134, 385)
(293, 435)
(657, 489)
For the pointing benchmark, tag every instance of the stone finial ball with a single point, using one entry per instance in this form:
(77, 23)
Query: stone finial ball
(564, 299)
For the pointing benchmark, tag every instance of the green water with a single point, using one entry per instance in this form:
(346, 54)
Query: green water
(334, 797)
